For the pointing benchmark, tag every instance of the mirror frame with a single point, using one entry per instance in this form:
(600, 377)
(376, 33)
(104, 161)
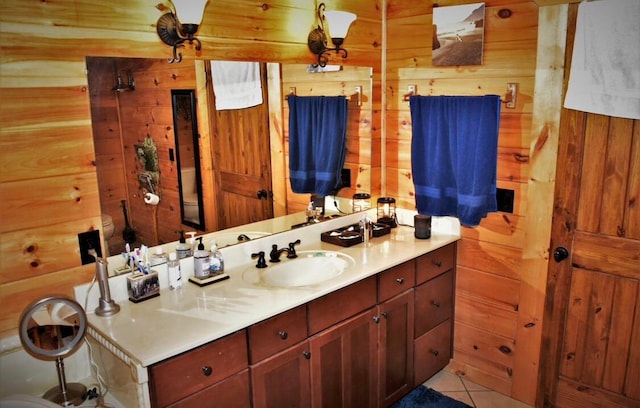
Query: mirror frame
(27, 316)
(176, 96)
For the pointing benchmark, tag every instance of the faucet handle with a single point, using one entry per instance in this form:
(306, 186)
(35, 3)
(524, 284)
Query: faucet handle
(261, 262)
(274, 255)
(292, 250)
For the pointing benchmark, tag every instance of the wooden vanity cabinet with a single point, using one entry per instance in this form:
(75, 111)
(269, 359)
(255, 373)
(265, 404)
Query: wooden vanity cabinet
(434, 308)
(279, 356)
(344, 361)
(215, 372)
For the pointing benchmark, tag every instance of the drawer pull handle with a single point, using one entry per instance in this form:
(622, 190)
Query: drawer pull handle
(435, 303)
(435, 352)
(400, 280)
(283, 334)
(207, 371)
(437, 263)
(306, 354)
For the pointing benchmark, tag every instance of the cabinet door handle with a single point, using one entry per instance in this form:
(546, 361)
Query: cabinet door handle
(435, 303)
(306, 354)
(283, 334)
(207, 371)
(437, 263)
(435, 352)
(385, 315)
(400, 280)
(376, 319)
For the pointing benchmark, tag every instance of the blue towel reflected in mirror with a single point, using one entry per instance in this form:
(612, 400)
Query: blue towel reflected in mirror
(317, 140)
(454, 151)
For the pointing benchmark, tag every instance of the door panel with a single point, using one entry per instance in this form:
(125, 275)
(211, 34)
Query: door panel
(242, 163)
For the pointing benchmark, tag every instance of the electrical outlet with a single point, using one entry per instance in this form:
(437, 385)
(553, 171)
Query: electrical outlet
(345, 177)
(505, 199)
(87, 241)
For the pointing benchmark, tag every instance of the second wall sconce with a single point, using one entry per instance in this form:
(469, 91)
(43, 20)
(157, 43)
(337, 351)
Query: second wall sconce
(338, 23)
(176, 28)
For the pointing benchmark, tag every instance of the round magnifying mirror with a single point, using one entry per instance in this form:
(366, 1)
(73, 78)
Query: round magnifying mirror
(51, 328)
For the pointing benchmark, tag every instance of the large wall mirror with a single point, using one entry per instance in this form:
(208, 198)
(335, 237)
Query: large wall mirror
(187, 156)
(140, 105)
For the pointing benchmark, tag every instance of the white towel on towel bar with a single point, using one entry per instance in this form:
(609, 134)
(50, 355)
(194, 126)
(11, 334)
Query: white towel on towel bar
(605, 67)
(236, 84)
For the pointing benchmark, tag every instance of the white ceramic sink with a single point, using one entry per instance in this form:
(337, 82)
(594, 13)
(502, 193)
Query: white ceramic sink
(309, 268)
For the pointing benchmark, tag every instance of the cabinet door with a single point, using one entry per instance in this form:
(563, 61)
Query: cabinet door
(282, 381)
(343, 363)
(396, 347)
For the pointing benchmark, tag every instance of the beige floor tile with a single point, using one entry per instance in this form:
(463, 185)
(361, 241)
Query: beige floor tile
(492, 399)
(445, 381)
(471, 386)
(461, 396)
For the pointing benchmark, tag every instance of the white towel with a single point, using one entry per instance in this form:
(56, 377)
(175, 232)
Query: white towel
(236, 85)
(605, 68)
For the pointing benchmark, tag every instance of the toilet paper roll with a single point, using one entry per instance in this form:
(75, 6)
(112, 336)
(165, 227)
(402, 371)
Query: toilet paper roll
(151, 199)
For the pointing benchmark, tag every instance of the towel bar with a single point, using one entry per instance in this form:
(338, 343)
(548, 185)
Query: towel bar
(509, 99)
(357, 95)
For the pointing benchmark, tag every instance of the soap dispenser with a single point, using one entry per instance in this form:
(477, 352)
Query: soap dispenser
(192, 242)
(216, 262)
(201, 261)
(182, 249)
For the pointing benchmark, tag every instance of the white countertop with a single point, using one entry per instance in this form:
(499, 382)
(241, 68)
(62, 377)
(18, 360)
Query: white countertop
(180, 320)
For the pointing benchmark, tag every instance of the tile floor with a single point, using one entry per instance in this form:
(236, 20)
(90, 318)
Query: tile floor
(474, 395)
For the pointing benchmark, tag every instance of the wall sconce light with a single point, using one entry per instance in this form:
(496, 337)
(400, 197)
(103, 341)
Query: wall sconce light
(121, 86)
(386, 210)
(176, 28)
(338, 23)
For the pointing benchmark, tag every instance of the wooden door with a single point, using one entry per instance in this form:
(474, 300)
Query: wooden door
(242, 163)
(343, 364)
(591, 338)
(282, 380)
(396, 347)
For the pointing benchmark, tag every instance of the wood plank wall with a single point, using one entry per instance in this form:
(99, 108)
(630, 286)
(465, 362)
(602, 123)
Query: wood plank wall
(490, 256)
(48, 180)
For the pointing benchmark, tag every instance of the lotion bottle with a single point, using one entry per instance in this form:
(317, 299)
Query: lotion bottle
(175, 275)
(182, 249)
(201, 261)
(216, 262)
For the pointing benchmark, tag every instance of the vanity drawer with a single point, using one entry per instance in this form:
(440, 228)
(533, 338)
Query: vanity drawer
(434, 263)
(432, 352)
(433, 303)
(188, 373)
(396, 280)
(232, 392)
(340, 305)
(277, 333)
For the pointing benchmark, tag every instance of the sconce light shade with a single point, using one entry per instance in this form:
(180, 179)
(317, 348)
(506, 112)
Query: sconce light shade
(338, 23)
(176, 28)
(189, 11)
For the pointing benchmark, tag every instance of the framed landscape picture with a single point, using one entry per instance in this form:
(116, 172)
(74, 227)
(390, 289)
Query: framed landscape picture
(458, 35)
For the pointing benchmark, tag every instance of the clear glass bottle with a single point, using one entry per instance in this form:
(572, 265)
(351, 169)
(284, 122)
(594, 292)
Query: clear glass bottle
(216, 261)
(175, 275)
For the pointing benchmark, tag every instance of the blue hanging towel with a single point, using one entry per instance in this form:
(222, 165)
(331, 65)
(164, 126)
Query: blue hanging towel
(317, 140)
(454, 154)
